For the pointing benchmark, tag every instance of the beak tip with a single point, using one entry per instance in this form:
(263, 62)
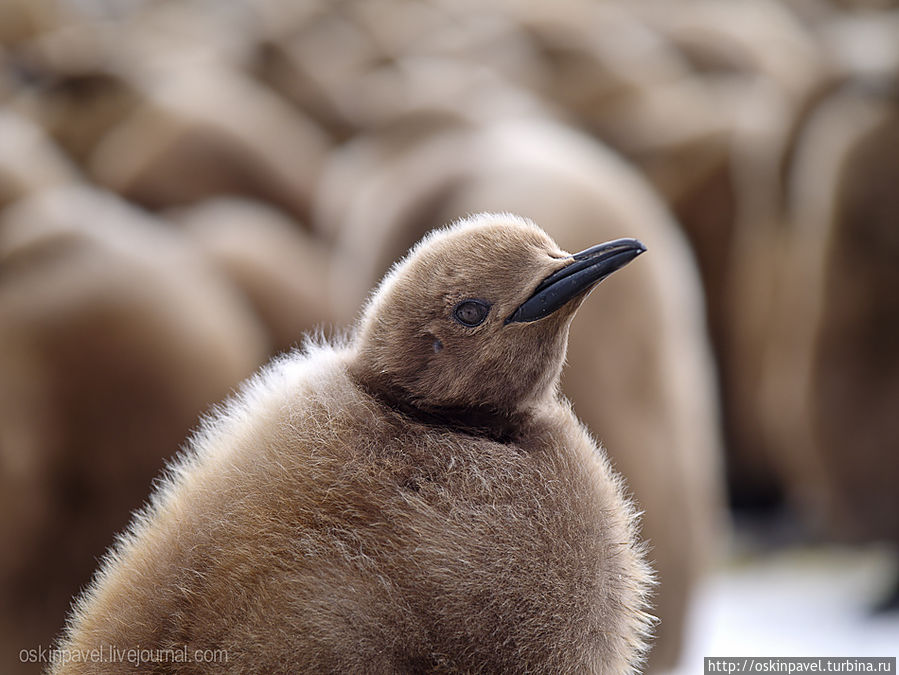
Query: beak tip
(587, 269)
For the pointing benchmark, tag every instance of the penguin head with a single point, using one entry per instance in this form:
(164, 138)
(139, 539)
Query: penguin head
(476, 317)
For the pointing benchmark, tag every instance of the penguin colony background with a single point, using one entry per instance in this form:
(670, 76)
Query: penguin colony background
(187, 189)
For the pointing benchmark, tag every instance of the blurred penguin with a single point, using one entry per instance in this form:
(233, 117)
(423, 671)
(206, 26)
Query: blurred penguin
(831, 379)
(283, 271)
(114, 336)
(181, 147)
(29, 160)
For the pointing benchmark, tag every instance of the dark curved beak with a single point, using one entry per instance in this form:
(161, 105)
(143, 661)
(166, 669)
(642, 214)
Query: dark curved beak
(585, 270)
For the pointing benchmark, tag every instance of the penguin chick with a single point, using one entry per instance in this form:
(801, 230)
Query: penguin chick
(419, 499)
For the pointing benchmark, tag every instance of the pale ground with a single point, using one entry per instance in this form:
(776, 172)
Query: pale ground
(796, 602)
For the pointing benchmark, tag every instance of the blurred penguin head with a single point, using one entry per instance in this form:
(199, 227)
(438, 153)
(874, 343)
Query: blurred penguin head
(476, 316)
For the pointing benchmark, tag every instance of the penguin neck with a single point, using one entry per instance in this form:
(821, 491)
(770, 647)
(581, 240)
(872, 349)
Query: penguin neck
(482, 421)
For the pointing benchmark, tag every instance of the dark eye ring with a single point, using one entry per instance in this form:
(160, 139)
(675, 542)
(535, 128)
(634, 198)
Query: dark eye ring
(471, 313)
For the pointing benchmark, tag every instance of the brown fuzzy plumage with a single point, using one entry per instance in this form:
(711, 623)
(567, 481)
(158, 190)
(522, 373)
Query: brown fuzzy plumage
(393, 504)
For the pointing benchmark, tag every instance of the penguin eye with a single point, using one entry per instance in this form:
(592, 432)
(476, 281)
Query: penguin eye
(471, 313)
